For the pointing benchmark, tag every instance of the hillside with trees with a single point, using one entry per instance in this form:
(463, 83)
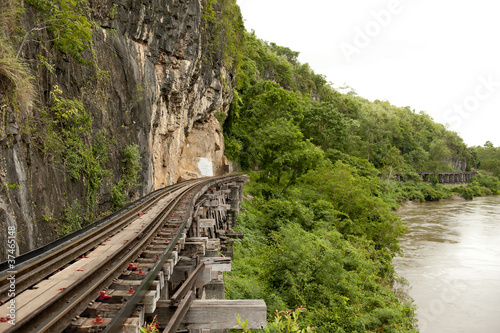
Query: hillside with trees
(320, 226)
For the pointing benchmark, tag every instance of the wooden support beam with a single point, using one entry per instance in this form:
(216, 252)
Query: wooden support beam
(188, 284)
(207, 223)
(221, 314)
(233, 234)
(131, 325)
(218, 264)
(180, 313)
(194, 248)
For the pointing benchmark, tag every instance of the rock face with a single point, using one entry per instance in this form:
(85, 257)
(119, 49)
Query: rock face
(162, 93)
(458, 164)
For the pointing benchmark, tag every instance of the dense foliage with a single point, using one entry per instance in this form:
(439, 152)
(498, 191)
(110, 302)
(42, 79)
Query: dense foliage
(64, 133)
(16, 85)
(320, 228)
(223, 24)
(488, 158)
(327, 247)
(130, 176)
(66, 21)
(273, 85)
(318, 231)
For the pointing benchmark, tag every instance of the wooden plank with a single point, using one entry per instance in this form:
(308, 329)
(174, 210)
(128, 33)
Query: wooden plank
(105, 310)
(221, 314)
(239, 235)
(180, 313)
(30, 300)
(198, 239)
(194, 248)
(86, 325)
(132, 325)
(149, 300)
(207, 223)
(218, 264)
(188, 284)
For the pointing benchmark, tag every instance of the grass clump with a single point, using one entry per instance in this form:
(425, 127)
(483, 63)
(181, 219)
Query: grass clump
(16, 83)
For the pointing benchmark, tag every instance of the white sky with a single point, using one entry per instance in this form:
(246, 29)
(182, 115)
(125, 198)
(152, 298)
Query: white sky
(438, 56)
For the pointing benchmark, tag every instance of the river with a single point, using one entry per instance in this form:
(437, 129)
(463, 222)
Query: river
(452, 262)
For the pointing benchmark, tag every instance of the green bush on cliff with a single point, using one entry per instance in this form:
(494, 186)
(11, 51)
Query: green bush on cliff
(72, 219)
(223, 27)
(66, 136)
(66, 21)
(130, 176)
(16, 86)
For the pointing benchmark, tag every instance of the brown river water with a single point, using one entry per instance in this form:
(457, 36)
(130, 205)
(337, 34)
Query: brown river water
(452, 262)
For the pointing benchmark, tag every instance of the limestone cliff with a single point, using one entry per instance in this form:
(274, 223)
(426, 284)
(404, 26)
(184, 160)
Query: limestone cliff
(152, 83)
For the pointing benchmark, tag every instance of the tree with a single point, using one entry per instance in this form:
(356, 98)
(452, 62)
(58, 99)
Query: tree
(392, 163)
(363, 213)
(438, 156)
(488, 158)
(326, 127)
(66, 21)
(283, 153)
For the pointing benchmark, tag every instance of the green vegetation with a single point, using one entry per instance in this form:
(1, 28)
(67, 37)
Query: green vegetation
(62, 131)
(223, 21)
(11, 186)
(67, 23)
(72, 219)
(320, 228)
(220, 116)
(66, 136)
(284, 322)
(16, 87)
(152, 327)
(488, 158)
(327, 244)
(273, 85)
(130, 176)
(320, 231)
(482, 184)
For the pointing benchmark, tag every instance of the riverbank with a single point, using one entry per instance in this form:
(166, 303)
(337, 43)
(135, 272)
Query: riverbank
(407, 204)
(398, 194)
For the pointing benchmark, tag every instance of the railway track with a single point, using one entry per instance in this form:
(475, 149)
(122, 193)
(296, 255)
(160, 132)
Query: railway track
(115, 264)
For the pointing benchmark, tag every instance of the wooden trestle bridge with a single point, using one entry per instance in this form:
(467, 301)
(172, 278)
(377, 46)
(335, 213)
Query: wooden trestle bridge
(162, 256)
(444, 177)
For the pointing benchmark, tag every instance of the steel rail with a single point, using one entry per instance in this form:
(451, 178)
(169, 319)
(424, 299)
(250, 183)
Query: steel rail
(36, 254)
(187, 285)
(34, 271)
(180, 313)
(116, 324)
(55, 315)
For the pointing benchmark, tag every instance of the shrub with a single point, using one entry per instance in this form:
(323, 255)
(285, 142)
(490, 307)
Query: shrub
(72, 219)
(130, 176)
(65, 20)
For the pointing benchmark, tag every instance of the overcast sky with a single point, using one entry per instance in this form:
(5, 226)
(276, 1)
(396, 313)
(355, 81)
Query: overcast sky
(438, 56)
